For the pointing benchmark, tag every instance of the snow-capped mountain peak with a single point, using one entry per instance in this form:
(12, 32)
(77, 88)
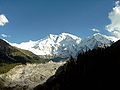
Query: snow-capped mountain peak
(111, 38)
(64, 44)
(101, 38)
(97, 40)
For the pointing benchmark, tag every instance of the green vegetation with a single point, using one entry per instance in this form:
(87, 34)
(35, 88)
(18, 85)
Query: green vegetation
(11, 56)
(4, 67)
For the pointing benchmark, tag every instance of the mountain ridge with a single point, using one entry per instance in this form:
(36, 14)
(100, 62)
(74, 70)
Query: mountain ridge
(64, 45)
(11, 54)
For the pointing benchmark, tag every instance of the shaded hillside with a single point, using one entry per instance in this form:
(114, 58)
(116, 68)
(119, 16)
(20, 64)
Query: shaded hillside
(96, 69)
(10, 54)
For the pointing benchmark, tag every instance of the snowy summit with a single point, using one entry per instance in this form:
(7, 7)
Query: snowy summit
(64, 44)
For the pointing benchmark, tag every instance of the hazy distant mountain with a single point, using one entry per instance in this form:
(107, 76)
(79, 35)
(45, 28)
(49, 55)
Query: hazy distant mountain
(10, 54)
(64, 45)
(96, 69)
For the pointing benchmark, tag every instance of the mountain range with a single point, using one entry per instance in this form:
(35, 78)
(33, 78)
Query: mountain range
(55, 47)
(61, 46)
(95, 69)
(65, 45)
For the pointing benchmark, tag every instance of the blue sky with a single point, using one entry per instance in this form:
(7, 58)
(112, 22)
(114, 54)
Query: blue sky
(35, 19)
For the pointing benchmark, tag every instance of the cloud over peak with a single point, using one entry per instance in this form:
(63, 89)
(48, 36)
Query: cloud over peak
(114, 16)
(95, 30)
(117, 3)
(3, 20)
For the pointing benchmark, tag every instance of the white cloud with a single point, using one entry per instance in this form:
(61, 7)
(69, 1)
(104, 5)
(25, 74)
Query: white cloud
(114, 16)
(5, 36)
(95, 30)
(117, 3)
(3, 20)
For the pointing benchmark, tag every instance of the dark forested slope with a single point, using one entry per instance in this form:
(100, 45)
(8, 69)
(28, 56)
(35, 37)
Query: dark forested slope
(96, 69)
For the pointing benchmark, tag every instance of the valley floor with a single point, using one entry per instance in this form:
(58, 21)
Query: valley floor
(28, 76)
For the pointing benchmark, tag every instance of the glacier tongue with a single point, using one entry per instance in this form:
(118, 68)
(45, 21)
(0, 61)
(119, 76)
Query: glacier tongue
(26, 77)
(64, 44)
